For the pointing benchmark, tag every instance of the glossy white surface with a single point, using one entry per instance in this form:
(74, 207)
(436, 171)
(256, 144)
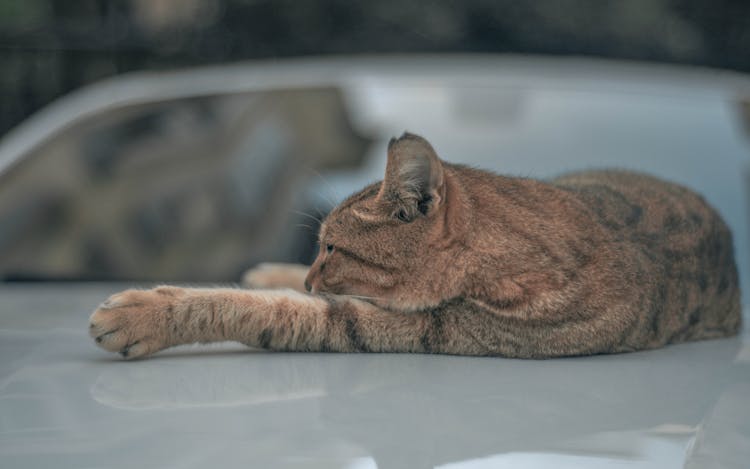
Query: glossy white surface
(65, 403)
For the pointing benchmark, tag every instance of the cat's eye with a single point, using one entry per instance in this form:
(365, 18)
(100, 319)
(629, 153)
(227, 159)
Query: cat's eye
(329, 248)
(402, 215)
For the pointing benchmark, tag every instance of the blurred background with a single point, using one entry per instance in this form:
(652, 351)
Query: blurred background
(186, 140)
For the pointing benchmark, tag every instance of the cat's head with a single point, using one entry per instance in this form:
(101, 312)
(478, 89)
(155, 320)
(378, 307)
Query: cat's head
(380, 243)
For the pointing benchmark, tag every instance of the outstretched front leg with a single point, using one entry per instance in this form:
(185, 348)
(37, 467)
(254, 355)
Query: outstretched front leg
(136, 323)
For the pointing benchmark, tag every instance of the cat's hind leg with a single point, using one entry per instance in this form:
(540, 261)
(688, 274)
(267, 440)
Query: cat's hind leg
(276, 275)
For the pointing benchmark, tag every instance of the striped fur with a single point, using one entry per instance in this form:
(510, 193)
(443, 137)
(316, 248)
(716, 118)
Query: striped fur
(440, 258)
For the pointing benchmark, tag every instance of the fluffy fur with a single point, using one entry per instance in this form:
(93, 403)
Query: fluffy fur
(441, 258)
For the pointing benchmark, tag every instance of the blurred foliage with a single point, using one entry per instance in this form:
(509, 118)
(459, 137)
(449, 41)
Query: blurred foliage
(50, 47)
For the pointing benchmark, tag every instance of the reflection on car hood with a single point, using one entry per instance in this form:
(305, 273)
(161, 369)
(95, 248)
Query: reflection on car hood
(65, 403)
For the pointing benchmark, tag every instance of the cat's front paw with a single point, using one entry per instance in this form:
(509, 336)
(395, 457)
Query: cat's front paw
(272, 275)
(135, 323)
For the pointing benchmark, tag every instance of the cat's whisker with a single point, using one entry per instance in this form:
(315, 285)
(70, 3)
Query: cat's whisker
(333, 196)
(297, 212)
(302, 225)
(322, 214)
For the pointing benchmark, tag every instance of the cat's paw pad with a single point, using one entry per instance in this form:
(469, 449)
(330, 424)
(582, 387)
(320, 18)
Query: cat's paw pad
(133, 322)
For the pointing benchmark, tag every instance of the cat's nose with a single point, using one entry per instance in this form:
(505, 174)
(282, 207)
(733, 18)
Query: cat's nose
(308, 287)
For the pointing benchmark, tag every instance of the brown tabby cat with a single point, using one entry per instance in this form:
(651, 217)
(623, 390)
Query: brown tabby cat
(441, 258)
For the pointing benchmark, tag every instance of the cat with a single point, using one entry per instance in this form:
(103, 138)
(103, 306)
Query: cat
(443, 258)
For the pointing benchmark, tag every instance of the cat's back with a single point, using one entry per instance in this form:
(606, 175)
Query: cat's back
(643, 207)
(687, 245)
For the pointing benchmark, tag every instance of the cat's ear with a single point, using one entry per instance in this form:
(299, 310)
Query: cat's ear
(413, 177)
